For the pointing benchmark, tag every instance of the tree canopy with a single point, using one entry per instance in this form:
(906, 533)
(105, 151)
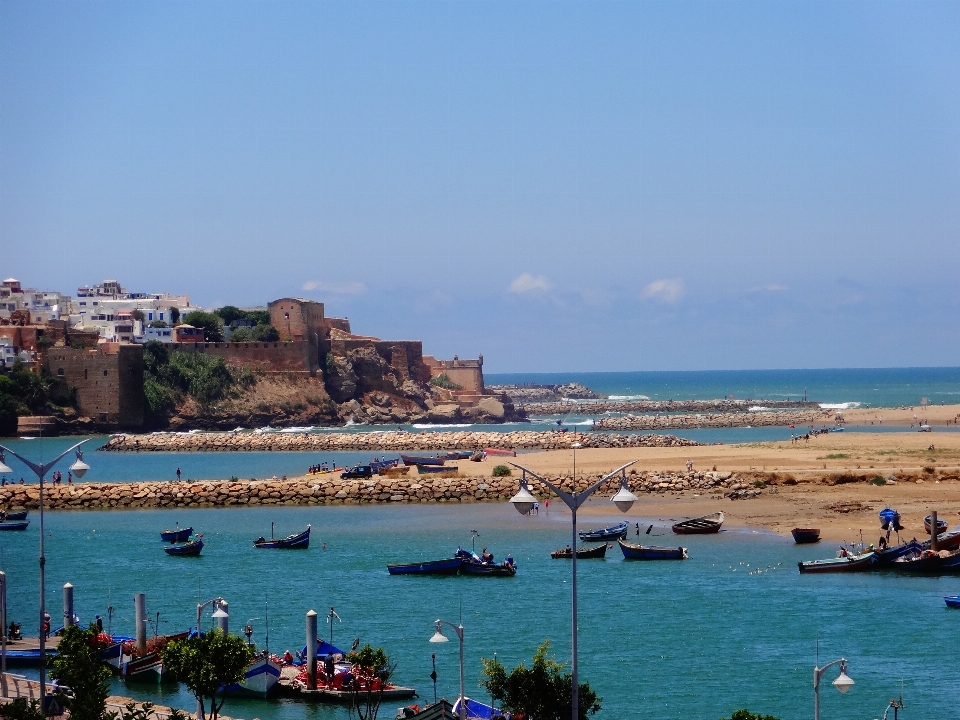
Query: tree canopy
(78, 666)
(210, 322)
(542, 691)
(373, 668)
(207, 664)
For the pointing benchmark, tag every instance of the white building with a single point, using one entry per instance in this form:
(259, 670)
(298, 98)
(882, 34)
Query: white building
(7, 353)
(42, 306)
(108, 308)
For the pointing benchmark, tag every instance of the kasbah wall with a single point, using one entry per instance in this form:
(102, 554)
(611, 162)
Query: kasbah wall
(108, 379)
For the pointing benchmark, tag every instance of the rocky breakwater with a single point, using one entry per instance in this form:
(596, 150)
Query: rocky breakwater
(799, 418)
(329, 489)
(669, 406)
(394, 441)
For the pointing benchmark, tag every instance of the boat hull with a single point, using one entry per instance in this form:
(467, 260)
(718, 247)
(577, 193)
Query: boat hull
(929, 564)
(191, 549)
(941, 525)
(146, 669)
(17, 515)
(614, 532)
(483, 570)
(15, 525)
(952, 601)
(595, 553)
(177, 535)
(706, 525)
(651, 552)
(260, 679)
(416, 460)
(448, 566)
(298, 541)
(850, 563)
(434, 469)
(805, 536)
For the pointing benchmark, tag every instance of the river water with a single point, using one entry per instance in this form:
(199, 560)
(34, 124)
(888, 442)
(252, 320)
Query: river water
(734, 626)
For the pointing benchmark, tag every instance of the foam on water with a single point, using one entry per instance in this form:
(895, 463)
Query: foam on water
(840, 406)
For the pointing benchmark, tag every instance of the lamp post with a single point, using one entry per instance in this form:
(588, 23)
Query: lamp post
(222, 619)
(439, 637)
(843, 683)
(523, 501)
(79, 468)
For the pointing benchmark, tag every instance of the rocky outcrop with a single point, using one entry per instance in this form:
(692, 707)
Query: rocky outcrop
(546, 393)
(543, 407)
(382, 441)
(715, 420)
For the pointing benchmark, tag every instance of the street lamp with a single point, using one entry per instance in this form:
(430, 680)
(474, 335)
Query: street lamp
(439, 637)
(79, 468)
(523, 501)
(843, 683)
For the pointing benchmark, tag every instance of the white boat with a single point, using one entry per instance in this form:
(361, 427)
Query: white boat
(261, 677)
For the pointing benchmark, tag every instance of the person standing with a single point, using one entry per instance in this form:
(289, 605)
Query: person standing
(178, 474)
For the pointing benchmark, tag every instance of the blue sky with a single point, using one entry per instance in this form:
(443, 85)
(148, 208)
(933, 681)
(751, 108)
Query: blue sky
(557, 185)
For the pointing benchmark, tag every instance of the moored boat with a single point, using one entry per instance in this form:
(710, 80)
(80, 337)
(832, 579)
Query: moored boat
(699, 526)
(177, 535)
(583, 553)
(945, 541)
(297, 541)
(845, 563)
(888, 555)
(614, 532)
(187, 549)
(952, 600)
(15, 515)
(14, 525)
(632, 551)
(447, 566)
(418, 460)
(485, 566)
(929, 562)
(805, 536)
(260, 678)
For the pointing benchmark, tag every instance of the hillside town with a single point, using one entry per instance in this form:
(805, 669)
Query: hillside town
(111, 359)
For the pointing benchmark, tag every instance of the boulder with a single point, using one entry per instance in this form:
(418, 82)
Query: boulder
(492, 407)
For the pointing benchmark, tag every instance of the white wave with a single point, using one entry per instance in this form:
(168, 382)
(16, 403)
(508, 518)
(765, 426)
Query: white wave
(432, 426)
(588, 421)
(758, 408)
(627, 398)
(840, 406)
(305, 429)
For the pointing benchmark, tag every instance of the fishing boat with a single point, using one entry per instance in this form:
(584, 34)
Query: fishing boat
(941, 525)
(458, 455)
(260, 678)
(891, 554)
(379, 466)
(146, 669)
(448, 566)
(28, 658)
(473, 565)
(418, 461)
(845, 563)
(187, 549)
(15, 525)
(501, 452)
(297, 541)
(614, 532)
(177, 535)
(700, 526)
(805, 536)
(890, 520)
(15, 515)
(952, 600)
(394, 470)
(945, 541)
(929, 562)
(583, 553)
(651, 552)
(436, 469)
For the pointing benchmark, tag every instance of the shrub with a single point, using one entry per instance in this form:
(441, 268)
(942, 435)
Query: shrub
(836, 456)
(502, 471)
(877, 480)
(211, 323)
(929, 469)
(759, 484)
(442, 381)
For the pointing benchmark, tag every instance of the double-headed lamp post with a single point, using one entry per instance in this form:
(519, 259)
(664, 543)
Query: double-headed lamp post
(79, 468)
(843, 683)
(439, 637)
(524, 500)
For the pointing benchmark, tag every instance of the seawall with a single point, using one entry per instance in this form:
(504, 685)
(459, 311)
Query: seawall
(393, 441)
(799, 418)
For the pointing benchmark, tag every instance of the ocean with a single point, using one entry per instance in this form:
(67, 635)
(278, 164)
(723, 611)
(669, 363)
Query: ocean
(734, 626)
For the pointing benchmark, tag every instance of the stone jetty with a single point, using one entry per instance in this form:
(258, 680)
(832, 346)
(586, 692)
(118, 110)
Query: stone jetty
(799, 418)
(724, 405)
(393, 441)
(329, 489)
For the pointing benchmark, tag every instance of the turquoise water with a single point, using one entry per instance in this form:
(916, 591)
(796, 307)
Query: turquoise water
(871, 387)
(693, 639)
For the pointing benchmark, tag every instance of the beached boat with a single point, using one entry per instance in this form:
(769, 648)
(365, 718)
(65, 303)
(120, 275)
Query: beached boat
(583, 553)
(418, 461)
(651, 552)
(458, 455)
(436, 469)
(952, 600)
(187, 549)
(805, 536)
(928, 562)
(394, 470)
(15, 515)
(614, 532)
(945, 541)
(700, 526)
(890, 520)
(14, 525)
(846, 563)
(501, 452)
(177, 535)
(941, 525)
(297, 541)
(448, 566)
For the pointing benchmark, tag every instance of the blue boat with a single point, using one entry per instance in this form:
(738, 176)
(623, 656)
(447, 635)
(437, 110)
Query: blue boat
(418, 461)
(891, 554)
(449, 566)
(614, 532)
(651, 552)
(177, 535)
(952, 600)
(15, 525)
(15, 515)
(187, 549)
(890, 520)
(434, 469)
(297, 541)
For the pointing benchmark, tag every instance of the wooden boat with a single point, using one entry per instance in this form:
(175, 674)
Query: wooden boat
(614, 532)
(847, 563)
(583, 553)
(187, 549)
(941, 525)
(148, 669)
(297, 541)
(378, 466)
(394, 471)
(945, 541)
(501, 452)
(804, 536)
(436, 469)
(15, 525)
(458, 455)
(260, 678)
(651, 552)
(473, 565)
(952, 600)
(15, 515)
(448, 566)
(891, 554)
(177, 535)
(928, 562)
(890, 520)
(699, 526)
(418, 461)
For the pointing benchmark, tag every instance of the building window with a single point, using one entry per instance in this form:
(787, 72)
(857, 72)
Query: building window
(60, 371)
(104, 373)
(85, 377)
(149, 316)
(161, 316)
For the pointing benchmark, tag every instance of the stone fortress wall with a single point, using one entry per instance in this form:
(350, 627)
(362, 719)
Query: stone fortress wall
(108, 379)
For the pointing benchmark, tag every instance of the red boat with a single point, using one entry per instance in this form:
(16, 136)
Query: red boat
(499, 451)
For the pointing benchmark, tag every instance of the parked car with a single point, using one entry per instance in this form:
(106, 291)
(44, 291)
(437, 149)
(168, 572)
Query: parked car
(360, 471)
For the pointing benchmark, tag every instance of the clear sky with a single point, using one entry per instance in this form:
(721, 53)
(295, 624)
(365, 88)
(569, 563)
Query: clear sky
(557, 185)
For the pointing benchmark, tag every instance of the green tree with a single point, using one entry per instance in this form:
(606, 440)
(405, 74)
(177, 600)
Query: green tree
(138, 315)
(157, 324)
(542, 691)
(230, 314)
(210, 322)
(747, 715)
(207, 664)
(174, 316)
(265, 333)
(372, 670)
(79, 667)
(22, 709)
(242, 334)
